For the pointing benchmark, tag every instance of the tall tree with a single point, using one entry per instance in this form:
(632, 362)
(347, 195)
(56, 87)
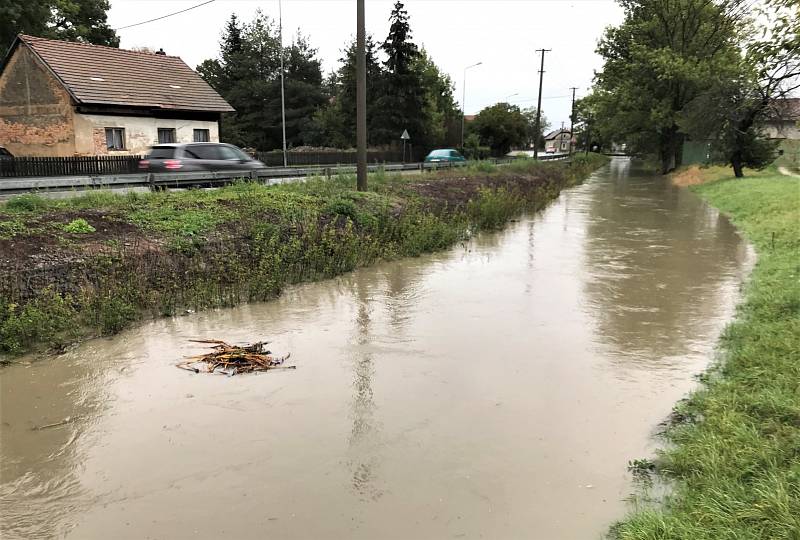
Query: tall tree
(533, 136)
(657, 61)
(247, 75)
(71, 20)
(442, 112)
(401, 105)
(345, 87)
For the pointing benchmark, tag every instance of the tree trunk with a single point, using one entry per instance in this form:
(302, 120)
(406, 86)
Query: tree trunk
(736, 162)
(671, 149)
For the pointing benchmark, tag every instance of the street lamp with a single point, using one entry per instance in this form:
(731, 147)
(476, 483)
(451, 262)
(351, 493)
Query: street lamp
(512, 95)
(464, 101)
(283, 92)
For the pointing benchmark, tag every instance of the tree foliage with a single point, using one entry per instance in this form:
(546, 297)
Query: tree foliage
(707, 69)
(401, 101)
(405, 90)
(71, 20)
(733, 110)
(501, 126)
(247, 74)
(533, 136)
(657, 61)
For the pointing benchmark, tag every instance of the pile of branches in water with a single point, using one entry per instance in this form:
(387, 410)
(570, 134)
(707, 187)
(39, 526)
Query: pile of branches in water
(234, 359)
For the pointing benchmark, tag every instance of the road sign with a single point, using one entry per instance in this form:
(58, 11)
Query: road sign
(405, 136)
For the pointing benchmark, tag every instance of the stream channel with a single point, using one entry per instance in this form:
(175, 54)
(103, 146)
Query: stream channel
(496, 390)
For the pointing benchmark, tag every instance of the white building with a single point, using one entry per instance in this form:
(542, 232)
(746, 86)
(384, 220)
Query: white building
(784, 120)
(61, 98)
(557, 141)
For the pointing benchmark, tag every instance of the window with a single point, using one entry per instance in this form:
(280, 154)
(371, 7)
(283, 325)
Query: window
(201, 135)
(166, 135)
(202, 151)
(228, 153)
(115, 138)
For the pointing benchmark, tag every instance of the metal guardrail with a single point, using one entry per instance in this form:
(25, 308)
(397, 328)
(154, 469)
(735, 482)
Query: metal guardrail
(177, 180)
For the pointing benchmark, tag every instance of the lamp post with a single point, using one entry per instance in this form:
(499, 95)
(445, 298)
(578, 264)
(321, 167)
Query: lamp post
(512, 95)
(283, 92)
(464, 101)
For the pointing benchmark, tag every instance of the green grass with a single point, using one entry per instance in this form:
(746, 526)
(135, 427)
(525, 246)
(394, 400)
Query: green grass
(735, 464)
(168, 251)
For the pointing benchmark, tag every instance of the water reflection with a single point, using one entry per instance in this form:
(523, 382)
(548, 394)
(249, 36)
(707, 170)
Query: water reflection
(657, 261)
(364, 435)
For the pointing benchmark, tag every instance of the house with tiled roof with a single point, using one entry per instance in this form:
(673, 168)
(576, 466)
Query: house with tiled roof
(557, 141)
(61, 98)
(783, 119)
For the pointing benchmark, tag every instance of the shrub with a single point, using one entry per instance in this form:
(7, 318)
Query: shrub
(79, 226)
(26, 203)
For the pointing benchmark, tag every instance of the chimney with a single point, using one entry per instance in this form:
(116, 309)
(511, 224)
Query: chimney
(161, 52)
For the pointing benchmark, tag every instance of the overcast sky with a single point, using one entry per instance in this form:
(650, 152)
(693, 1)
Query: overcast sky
(503, 34)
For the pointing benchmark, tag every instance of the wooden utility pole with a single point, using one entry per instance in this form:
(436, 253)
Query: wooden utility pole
(539, 107)
(572, 121)
(361, 98)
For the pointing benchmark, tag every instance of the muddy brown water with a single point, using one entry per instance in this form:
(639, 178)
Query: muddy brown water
(496, 390)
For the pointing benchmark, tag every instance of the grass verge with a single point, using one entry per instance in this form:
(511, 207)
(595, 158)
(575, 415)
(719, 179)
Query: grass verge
(94, 264)
(734, 458)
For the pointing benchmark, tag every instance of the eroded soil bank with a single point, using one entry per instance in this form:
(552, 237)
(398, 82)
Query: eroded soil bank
(494, 390)
(94, 264)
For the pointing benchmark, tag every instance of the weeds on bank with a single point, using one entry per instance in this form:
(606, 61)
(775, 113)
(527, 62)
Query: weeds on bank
(734, 460)
(222, 247)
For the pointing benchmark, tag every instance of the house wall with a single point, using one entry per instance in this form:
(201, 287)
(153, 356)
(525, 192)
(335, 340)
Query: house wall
(559, 142)
(140, 132)
(787, 129)
(36, 114)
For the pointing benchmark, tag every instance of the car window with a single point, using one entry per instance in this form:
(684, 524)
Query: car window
(203, 151)
(226, 152)
(240, 154)
(455, 154)
(162, 152)
(439, 153)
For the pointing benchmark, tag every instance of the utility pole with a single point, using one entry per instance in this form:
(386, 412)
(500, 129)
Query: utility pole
(464, 102)
(283, 92)
(361, 98)
(572, 121)
(539, 107)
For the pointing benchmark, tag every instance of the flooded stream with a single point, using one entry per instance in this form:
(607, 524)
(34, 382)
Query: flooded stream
(495, 391)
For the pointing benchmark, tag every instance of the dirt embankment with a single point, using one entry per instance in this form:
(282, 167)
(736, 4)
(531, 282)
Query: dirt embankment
(160, 253)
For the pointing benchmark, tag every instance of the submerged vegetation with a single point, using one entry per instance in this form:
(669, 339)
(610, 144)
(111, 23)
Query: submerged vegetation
(96, 263)
(734, 457)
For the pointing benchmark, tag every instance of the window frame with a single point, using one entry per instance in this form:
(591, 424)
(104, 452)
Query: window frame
(173, 135)
(121, 132)
(205, 132)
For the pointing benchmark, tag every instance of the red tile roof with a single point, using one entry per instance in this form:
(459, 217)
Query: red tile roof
(99, 75)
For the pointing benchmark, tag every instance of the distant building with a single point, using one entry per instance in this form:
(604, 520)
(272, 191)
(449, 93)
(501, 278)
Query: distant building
(60, 98)
(783, 121)
(557, 141)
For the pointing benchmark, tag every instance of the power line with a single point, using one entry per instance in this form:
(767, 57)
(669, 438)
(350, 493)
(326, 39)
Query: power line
(165, 16)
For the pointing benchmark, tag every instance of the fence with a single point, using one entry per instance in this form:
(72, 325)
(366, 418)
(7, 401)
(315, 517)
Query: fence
(68, 166)
(275, 159)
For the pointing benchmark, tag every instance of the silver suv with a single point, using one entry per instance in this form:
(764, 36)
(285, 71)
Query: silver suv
(197, 157)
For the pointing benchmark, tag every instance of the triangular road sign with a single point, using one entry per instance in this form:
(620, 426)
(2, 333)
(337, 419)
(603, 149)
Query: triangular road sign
(405, 136)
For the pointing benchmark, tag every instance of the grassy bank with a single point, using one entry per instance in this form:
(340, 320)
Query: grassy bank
(94, 264)
(734, 454)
